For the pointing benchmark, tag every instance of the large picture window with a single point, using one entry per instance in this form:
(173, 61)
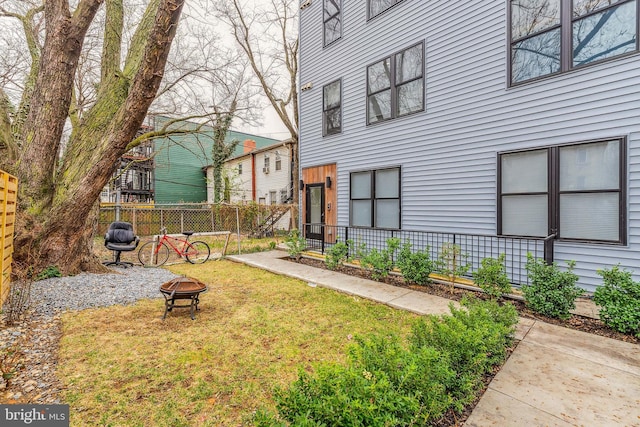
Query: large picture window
(332, 18)
(375, 198)
(575, 191)
(395, 85)
(552, 36)
(376, 7)
(332, 108)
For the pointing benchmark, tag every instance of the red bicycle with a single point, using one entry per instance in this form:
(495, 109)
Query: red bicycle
(156, 252)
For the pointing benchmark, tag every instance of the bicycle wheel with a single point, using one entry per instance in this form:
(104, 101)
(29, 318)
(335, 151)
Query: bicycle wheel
(197, 252)
(148, 257)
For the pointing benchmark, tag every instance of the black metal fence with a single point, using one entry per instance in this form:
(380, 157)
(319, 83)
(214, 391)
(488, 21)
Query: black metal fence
(473, 247)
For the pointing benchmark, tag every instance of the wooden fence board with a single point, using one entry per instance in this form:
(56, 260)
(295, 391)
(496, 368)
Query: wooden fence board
(8, 203)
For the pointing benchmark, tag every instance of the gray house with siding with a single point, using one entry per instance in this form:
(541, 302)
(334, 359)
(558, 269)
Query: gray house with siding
(513, 119)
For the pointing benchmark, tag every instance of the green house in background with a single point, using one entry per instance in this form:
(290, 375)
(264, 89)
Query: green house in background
(180, 160)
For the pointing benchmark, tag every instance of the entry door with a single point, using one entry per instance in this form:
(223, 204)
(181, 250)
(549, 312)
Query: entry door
(314, 216)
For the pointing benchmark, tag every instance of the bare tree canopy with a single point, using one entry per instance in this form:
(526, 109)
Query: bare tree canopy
(59, 187)
(268, 36)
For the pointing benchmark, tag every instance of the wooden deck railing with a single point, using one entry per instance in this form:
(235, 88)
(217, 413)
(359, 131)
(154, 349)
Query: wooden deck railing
(8, 199)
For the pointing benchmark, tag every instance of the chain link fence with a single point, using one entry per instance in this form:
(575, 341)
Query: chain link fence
(247, 221)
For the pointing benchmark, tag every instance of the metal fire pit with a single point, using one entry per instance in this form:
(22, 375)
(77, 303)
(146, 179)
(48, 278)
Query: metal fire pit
(184, 288)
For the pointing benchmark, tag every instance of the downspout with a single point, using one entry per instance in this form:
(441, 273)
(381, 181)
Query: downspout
(253, 177)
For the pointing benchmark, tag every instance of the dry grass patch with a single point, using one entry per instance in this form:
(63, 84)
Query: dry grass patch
(124, 366)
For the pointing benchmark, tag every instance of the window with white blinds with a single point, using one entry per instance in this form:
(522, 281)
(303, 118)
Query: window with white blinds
(575, 191)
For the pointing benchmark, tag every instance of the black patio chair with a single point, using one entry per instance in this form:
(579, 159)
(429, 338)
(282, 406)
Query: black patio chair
(120, 238)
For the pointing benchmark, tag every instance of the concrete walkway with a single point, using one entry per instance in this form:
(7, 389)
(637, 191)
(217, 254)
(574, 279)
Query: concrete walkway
(555, 377)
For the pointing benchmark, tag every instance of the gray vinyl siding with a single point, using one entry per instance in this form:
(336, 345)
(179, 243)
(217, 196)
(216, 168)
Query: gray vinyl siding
(448, 153)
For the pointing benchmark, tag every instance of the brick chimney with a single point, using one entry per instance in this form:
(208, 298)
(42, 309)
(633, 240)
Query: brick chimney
(249, 145)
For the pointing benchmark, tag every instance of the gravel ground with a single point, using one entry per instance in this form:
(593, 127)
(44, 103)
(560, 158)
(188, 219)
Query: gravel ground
(86, 290)
(38, 335)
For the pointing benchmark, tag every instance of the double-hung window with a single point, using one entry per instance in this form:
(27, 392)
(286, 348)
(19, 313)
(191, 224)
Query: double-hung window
(575, 191)
(239, 168)
(376, 7)
(278, 161)
(332, 108)
(395, 85)
(375, 198)
(332, 17)
(553, 36)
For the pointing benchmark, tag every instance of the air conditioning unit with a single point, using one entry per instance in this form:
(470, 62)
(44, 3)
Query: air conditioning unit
(265, 170)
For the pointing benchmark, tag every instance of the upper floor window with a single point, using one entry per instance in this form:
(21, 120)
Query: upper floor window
(552, 36)
(332, 20)
(376, 7)
(375, 198)
(278, 161)
(266, 161)
(576, 191)
(332, 108)
(239, 168)
(395, 85)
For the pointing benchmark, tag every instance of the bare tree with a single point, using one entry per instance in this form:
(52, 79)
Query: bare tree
(268, 37)
(59, 189)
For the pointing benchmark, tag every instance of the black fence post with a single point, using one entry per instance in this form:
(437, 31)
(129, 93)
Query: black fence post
(548, 249)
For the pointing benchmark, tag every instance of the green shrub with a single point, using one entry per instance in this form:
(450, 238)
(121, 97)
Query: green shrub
(338, 254)
(379, 262)
(415, 266)
(341, 396)
(295, 243)
(492, 277)
(619, 298)
(474, 340)
(49, 272)
(386, 383)
(552, 292)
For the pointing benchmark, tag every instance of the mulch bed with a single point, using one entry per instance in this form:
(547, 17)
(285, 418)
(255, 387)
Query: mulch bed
(577, 322)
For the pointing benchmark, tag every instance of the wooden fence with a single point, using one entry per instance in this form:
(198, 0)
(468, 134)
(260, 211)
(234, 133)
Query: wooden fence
(8, 199)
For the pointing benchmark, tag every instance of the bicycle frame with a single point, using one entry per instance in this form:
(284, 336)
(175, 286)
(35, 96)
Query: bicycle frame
(157, 251)
(168, 240)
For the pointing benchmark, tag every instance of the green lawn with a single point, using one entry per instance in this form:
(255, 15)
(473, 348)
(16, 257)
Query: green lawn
(124, 366)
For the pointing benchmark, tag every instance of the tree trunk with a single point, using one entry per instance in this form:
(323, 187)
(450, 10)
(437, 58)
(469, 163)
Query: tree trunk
(63, 223)
(42, 132)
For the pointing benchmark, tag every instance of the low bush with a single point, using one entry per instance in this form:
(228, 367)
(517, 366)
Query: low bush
(295, 243)
(379, 262)
(552, 292)
(492, 277)
(49, 272)
(338, 254)
(619, 298)
(415, 266)
(386, 383)
(474, 339)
